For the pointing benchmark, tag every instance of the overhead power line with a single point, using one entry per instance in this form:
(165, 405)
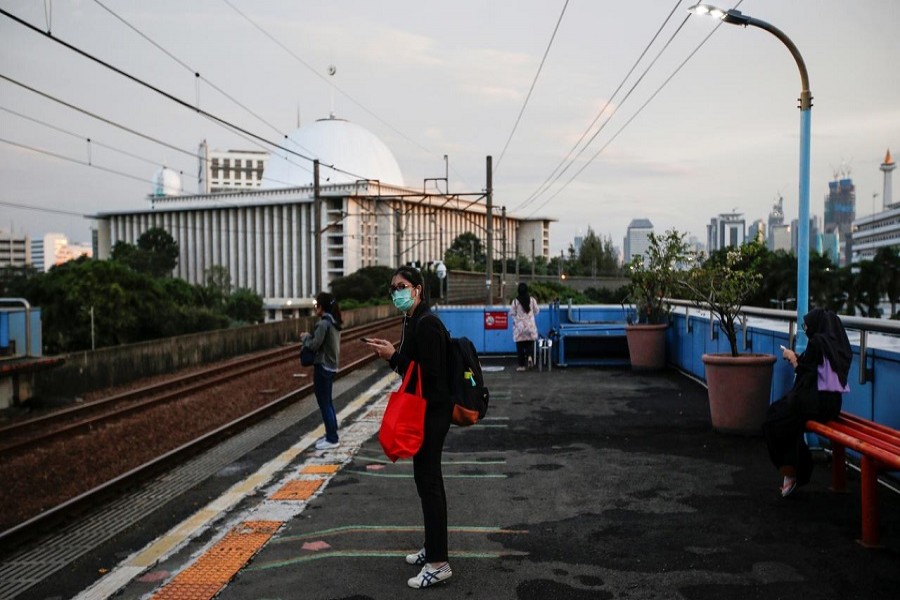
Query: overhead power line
(553, 176)
(531, 89)
(173, 98)
(628, 122)
(187, 67)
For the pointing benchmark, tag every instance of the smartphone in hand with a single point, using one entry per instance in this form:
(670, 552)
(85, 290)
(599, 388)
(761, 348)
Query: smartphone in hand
(366, 340)
(782, 347)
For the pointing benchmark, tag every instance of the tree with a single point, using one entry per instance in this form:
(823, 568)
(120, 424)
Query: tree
(889, 258)
(155, 254)
(364, 285)
(596, 255)
(465, 253)
(161, 251)
(214, 294)
(245, 306)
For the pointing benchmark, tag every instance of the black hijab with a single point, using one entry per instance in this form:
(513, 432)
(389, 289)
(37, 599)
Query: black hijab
(826, 331)
(523, 297)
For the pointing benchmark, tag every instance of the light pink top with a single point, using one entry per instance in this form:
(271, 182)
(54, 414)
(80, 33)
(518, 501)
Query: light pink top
(524, 326)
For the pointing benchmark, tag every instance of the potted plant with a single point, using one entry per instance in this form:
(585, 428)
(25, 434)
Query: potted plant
(653, 278)
(739, 384)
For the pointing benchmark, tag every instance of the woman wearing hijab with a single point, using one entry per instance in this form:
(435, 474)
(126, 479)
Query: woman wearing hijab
(814, 396)
(424, 339)
(523, 310)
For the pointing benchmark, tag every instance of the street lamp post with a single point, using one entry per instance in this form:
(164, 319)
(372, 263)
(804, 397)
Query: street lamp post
(735, 17)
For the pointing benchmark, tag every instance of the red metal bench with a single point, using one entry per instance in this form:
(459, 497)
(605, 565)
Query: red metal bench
(879, 448)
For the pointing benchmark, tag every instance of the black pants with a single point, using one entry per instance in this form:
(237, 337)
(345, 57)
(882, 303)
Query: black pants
(430, 481)
(784, 427)
(524, 350)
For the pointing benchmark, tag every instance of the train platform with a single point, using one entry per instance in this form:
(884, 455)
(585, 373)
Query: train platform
(582, 483)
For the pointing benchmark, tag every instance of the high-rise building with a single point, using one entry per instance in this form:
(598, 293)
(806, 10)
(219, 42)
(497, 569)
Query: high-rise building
(55, 249)
(776, 219)
(637, 238)
(757, 232)
(728, 229)
(231, 170)
(881, 229)
(840, 211)
(15, 249)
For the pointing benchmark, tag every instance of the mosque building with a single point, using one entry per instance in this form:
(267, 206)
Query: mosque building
(282, 240)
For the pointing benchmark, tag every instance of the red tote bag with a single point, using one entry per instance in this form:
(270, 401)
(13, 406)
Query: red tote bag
(403, 425)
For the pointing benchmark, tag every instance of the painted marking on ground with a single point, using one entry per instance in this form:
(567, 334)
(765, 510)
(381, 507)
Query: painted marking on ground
(314, 551)
(181, 534)
(299, 489)
(203, 579)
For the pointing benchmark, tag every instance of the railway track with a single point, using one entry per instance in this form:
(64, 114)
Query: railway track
(85, 422)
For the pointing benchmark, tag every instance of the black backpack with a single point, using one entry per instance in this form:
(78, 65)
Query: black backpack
(467, 390)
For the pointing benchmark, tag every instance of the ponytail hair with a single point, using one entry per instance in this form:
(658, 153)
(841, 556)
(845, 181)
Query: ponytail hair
(330, 306)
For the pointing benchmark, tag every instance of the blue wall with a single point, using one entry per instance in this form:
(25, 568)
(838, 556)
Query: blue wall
(14, 325)
(877, 399)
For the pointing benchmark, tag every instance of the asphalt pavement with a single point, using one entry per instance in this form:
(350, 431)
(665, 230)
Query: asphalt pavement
(585, 483)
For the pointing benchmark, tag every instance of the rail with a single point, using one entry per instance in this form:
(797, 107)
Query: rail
(861, 324)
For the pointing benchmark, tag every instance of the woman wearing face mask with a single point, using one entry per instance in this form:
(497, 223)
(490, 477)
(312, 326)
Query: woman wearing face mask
(424, 340)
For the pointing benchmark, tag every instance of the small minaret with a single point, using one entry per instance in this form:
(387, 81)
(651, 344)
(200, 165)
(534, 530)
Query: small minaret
(886, 167)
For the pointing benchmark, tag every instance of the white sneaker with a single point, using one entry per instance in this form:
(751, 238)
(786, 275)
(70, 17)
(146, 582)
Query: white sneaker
(324, 444)
(417, 559)
(429, 576)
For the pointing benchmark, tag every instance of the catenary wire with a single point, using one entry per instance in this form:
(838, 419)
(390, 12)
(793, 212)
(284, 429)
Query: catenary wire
(550, 180)
(531, 89)
(218, 120)
(628, 122)
(186, 66)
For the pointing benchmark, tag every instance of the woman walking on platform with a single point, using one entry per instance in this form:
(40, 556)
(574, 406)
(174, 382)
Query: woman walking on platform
(424, 340)
(325, 341)
(523, 310)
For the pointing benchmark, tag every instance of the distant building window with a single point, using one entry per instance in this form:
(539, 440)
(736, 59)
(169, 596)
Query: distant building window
(237, 168)
(226, 166)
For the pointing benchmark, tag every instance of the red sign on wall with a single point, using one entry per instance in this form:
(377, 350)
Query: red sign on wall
(496, 319)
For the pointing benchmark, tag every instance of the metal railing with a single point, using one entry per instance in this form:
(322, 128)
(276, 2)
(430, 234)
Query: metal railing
(861, 324)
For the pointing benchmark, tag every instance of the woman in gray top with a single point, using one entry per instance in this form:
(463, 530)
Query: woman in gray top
(325, 341)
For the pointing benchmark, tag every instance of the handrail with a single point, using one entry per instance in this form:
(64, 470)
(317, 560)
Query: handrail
(27, 307)
(864, 325)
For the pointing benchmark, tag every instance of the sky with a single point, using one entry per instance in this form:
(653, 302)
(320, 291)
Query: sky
(696, 129)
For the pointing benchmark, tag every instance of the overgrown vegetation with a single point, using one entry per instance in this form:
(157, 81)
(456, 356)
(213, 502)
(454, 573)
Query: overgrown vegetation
(131, 298)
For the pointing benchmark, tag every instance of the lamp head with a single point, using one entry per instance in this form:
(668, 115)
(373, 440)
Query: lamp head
(731, 16)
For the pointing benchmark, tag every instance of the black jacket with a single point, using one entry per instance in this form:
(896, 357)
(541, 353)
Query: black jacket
(425, 340)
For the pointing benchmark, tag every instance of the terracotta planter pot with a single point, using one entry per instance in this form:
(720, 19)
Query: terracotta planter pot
(739, 390)
(646, 346)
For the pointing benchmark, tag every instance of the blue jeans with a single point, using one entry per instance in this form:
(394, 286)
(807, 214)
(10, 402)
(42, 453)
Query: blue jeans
(323, 380)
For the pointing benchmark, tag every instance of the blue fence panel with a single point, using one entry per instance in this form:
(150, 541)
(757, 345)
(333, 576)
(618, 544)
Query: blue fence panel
(877, 399)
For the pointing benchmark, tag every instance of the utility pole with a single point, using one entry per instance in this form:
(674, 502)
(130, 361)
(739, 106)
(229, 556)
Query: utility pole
(532, 259)
(503, 269)
(489, 262)
(317, 215)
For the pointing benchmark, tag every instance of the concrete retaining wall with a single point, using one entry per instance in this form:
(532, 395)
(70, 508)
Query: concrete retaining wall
(107, 367)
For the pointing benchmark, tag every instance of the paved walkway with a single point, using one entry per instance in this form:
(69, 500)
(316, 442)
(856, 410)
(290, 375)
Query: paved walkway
(583, 483)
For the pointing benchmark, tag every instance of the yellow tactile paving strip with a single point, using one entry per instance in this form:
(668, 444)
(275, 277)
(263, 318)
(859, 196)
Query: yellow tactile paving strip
(204, 579)
(320, 469)
(298, 489)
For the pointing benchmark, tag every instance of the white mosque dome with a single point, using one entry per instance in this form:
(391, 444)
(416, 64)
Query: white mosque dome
(167, 182)
(347, 146)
